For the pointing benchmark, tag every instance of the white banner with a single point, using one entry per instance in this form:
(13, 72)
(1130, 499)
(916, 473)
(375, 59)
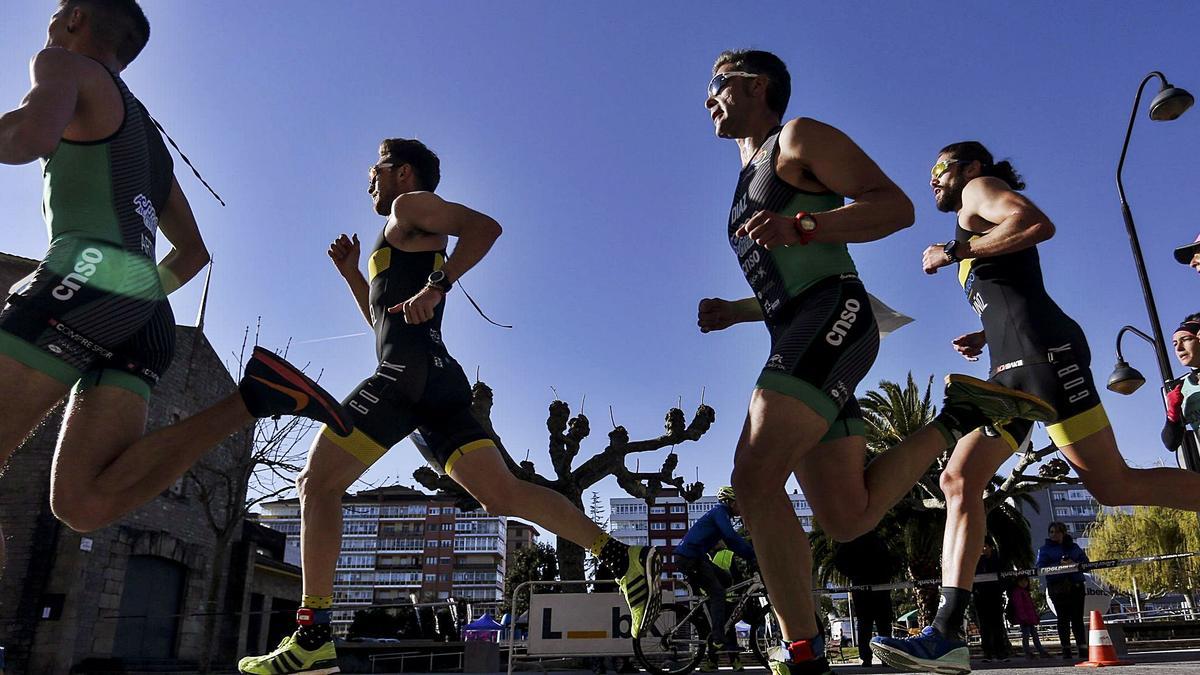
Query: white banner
(580, 624)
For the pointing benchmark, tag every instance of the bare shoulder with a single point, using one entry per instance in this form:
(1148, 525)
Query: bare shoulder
(984, 189)
(803, 131)
(413, 204)
(56, 61)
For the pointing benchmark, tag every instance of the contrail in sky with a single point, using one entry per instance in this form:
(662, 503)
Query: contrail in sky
(327, 339)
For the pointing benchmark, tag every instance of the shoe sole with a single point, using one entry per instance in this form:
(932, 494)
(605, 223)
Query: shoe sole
(342, 424)
(976, 391)
(905, 661)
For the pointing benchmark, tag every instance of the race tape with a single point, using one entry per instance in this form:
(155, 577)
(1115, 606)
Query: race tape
(1031, 572)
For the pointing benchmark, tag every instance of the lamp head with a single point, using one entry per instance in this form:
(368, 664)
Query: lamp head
(1125, 379)
(1170, 103)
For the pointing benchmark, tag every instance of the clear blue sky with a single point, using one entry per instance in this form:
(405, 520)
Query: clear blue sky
(581, 128)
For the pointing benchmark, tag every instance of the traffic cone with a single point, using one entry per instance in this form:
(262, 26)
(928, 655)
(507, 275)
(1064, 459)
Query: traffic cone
(1100, 647)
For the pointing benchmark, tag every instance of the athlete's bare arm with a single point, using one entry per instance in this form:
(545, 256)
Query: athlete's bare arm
(344, 252)
(428, 213)
(34, 129)
(1010, 220)
(718, 314)
(188, 253)
(880, 207)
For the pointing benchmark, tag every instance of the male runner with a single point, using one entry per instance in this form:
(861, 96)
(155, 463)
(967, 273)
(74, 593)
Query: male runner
(419, 386)
(789, 228)
(94, 315)
(1183, 401)
(692, 558)
(1034, 347)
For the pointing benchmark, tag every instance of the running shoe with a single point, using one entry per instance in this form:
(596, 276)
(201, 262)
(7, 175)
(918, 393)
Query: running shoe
(995, 402)
(640, 588)
(272, 387)
(806, 657)
(289, 658)
(927, 652)
(736, 664)
(710, 664)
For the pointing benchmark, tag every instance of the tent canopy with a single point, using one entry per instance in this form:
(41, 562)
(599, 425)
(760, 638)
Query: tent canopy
(485, 622)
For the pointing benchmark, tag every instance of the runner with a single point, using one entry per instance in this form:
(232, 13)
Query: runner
(418, 386)
(1183, 401)
(1034, 347)
(702, 574)
(93, 318)
(789, 227)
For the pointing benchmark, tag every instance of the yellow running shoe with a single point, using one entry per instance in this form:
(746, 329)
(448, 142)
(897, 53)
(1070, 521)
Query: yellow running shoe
(997, 402)
(640, 588)
(289, 658)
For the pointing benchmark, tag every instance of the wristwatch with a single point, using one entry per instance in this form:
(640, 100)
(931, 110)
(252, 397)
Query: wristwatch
(806, 225)
(948, 248)
(438, 280)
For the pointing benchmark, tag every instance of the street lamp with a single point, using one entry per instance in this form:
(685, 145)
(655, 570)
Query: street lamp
(1126, 379)
(1168, 104)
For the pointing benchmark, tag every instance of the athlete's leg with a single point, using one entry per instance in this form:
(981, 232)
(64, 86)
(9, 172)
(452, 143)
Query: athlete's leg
(1112, 482)
(779, 432)
(104, 467)
(26, 395)
(330, 471)
(972, 465)
(852, 502)
(483, 474)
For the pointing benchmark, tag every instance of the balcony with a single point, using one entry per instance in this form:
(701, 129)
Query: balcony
(400, 545)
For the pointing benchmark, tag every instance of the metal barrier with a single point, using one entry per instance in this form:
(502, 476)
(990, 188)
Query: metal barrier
(402, 656)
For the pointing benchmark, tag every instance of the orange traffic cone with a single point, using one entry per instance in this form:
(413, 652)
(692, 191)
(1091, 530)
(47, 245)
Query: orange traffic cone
(1100, 647)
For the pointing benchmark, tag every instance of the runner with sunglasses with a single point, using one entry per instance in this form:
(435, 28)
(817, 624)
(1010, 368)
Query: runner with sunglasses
(1034, 347)
(93, 320)
(419, 387)
(789, 227)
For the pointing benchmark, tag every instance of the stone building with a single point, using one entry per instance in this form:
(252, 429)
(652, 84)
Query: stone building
(136, 593)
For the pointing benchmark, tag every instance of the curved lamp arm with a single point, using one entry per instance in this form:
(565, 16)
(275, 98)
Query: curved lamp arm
(1130, 329)
(1137, 100)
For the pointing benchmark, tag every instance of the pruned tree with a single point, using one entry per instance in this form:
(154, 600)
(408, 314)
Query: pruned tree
(566, 437)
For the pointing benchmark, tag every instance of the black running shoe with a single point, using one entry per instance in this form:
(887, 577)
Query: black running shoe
(272, 387)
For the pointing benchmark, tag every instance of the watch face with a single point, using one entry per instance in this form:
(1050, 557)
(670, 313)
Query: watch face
(808, 223)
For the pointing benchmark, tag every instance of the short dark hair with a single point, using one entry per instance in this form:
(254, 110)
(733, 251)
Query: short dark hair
(120, 24)
(973, 151)
(410, 151)
(779, 82)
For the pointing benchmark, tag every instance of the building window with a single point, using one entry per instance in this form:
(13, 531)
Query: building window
(678, 526)
(431, 543)
(658, 510)
(435, 511)
(430, 577)
(658, 526)
(446, 543)
(445, 560)
(431, 560)
(678, 508)
(658, 542)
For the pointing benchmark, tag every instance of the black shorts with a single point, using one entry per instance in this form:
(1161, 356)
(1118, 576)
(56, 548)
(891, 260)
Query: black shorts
(92, 313)
(419, 391)
(821, 348)
(1062, 377)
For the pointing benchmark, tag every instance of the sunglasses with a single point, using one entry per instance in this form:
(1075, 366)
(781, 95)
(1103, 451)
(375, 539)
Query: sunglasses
(719, 80)
(373, 173)
(942, 167)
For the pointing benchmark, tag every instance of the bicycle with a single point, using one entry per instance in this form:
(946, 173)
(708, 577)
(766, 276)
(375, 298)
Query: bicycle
(678, 640)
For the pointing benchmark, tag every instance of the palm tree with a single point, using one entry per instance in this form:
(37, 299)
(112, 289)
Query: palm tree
(914, 527)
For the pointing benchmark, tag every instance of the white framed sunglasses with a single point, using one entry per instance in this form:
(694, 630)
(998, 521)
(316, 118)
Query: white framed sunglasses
(719, 80)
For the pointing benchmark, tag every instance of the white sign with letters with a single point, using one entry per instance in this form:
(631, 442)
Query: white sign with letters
(571, 624)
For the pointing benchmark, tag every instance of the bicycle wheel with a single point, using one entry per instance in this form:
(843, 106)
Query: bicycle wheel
(670, 647)
(765, 636)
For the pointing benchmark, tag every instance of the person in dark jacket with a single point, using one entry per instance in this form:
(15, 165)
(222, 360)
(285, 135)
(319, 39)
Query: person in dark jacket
(867, 560)
(988, 599)
(1066, 591)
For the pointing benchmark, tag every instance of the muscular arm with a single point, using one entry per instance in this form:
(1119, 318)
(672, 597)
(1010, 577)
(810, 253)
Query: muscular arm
(476, 232)
(747, 310)
(879, 208)
(361, 291)
(188, 253)
(34, 129)
(1019, 222)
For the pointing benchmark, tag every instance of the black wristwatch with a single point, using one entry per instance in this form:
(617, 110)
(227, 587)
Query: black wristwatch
(439, 281)
(948, 248)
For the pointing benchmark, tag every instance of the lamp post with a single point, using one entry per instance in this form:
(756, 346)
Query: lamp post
(1168, 104)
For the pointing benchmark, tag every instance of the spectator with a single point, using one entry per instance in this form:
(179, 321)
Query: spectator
(1023, 612)
(1066, 591)
(867, 560)
(1183, 400)
(1189, 254)
(988, 599)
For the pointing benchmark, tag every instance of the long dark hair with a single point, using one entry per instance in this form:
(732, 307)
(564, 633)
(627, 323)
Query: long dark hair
(973, 151)
(1067, 538)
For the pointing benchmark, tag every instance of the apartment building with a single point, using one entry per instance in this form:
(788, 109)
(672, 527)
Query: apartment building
(401, 544)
